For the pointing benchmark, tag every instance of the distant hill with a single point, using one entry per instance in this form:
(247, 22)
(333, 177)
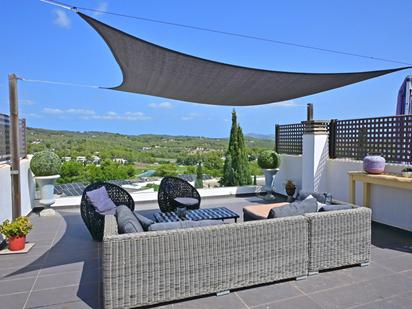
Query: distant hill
(140, 148)
(261, 136)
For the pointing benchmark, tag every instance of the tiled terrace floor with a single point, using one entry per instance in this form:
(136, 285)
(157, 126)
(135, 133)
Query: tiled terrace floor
(62, 271)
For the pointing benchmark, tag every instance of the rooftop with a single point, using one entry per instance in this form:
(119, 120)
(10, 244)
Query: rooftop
(63, 271)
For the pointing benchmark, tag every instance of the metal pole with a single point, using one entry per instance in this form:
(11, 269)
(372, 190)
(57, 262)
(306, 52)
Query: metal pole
(309, 112)
(14, 141)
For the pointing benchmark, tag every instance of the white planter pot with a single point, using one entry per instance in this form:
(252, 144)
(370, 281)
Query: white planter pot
(407, 174)
(46, 185)
(269, 178)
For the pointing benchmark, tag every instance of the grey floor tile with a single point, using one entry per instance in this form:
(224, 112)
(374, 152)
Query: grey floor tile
(87, 293)
(399, 263)
(230, 301)
(55, 267)
(323, 280)
(72, 305)
(363, 292)
(65, 279)
(397, 302)
(16, 285)
(292, 303)
(372, 271)
(13, 301)
(18, 272)
(268, 293)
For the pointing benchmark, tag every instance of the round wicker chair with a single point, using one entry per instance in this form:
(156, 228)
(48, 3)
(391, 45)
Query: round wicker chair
(95, 221)
(172, 187)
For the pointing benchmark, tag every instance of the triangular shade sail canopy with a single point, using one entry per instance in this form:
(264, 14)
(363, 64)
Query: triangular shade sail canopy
(154, 70)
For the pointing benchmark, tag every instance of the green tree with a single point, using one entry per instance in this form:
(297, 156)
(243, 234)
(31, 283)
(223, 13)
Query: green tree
(199, 176)
(236, 168)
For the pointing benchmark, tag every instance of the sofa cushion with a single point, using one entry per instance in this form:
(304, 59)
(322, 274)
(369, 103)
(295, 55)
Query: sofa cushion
(335, 207)
(259, 211)
(183, 224)
(127, 221)
(294, 209)
(101, 201)
(145, 222)
(320, 197)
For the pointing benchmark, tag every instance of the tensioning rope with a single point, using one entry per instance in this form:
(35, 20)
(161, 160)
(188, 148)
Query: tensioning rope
(58, 83)
(234, 34)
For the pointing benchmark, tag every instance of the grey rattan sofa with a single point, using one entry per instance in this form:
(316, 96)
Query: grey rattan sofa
(154, 267)
(339, 238)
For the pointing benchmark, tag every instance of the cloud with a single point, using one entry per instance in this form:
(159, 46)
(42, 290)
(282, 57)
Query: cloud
(70, 111)
(191, 116)
(102, 7)
(163, 105)
(86, 114)
(287, 104)
(26, 102)
(61, 19)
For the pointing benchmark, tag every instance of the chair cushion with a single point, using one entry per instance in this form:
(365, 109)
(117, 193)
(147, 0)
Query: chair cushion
(145, 222)
(260, 212)
(101, 201)
(335, 207)
(183, 224)
(294, 209)
(320, 197)
(127, 221)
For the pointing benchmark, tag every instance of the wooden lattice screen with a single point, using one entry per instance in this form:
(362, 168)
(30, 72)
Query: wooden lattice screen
(390, 137)
(289, 138)
(5, 138)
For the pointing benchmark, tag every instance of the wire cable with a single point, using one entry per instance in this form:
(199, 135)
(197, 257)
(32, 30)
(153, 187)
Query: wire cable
(233, 34)
(59, 83)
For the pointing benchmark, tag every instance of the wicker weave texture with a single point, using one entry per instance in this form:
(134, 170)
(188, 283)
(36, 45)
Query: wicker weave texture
(173, 187)
(339, 238)
(155, 267)
(95, 221)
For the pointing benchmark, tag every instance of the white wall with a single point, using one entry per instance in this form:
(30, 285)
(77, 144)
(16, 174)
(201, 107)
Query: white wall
(27, 189)
(290, 169)
(389, 205)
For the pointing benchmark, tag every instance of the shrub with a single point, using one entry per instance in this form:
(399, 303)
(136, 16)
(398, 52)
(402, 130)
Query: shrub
(45, 163)
(21, 226)
(407, 169)
(269, 159)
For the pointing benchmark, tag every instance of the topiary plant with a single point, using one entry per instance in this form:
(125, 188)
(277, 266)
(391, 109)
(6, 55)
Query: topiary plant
(45, 163)
(269, 159)
(20, 227)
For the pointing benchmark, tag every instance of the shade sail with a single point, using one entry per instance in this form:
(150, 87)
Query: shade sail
(154, 70)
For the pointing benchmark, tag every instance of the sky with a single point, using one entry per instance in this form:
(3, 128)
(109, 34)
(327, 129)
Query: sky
(44, 42)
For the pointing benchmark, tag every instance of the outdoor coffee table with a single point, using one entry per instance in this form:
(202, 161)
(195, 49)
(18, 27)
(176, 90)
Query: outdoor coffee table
(218, 213)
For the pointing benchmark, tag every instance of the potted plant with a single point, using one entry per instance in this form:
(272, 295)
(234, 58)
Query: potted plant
(45, 166)
(16, 232)
(407, 172)
(290, 188)
(269, 162)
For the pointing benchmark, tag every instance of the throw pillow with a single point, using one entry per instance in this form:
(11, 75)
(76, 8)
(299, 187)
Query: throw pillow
(101, 201)
(145, 222)
(183, 225)
(320, 197)
(320, 205)
(335, 207)
(294, 209)
(127, 221)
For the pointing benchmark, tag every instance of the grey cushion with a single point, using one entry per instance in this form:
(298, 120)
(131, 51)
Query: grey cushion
(127, 221)
(335, 207)
(294, 209)
(145, 222)
(320, 197)
(101, 201)
(183, 225)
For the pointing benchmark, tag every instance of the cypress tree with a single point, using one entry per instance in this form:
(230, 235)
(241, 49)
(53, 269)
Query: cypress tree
(236, 168)
(199, 176)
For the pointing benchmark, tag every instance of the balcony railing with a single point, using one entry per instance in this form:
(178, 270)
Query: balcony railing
(5, 151)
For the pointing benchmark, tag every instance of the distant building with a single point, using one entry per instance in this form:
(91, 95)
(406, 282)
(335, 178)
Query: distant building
(66, 159)
(81, 159)
(96, 159)
(120, 160)
(146, 148)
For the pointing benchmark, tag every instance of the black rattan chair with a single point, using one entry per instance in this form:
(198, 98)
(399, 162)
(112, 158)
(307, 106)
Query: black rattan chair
(95, 221)
(173, 187)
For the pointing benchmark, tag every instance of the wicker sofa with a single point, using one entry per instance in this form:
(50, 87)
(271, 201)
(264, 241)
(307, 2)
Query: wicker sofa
(155, 267)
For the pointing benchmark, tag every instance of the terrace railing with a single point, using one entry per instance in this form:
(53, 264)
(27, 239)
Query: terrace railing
(390, 137)
(5, 151)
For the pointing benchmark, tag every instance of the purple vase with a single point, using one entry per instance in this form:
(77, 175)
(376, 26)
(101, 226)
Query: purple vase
(374, 164)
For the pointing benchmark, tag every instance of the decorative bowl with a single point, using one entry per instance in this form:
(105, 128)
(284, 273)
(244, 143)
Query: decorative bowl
(374, 164)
